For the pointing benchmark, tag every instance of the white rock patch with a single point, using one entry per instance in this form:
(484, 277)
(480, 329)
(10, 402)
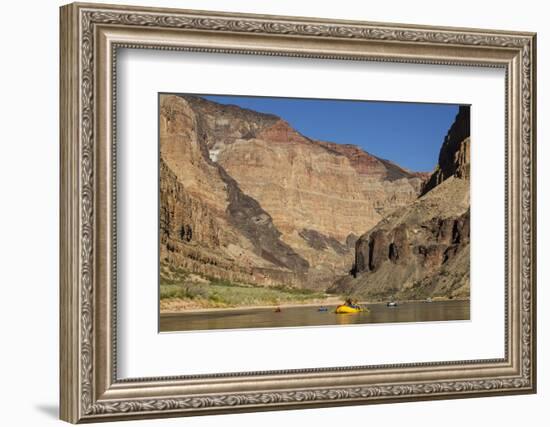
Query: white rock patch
(214, 154)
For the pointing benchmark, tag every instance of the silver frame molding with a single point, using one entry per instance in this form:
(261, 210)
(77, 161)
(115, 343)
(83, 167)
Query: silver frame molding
(90, 37)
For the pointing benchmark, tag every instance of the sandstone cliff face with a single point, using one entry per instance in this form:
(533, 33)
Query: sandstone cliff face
(422, 250)
(336, 191)
(313, 186)
(207, 224)
(419, 251)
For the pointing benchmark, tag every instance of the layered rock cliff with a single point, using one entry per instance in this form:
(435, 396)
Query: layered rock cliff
(207, 224)
(454, 156)
(422, 250)
(245, 196)
(336, 191)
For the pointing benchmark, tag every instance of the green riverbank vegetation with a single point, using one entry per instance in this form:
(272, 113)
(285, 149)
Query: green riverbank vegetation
(181, 290)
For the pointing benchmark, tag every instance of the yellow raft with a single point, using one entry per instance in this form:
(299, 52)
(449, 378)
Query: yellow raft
(345, 309)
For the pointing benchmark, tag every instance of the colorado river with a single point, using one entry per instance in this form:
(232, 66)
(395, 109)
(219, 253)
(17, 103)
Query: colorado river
(311, 316)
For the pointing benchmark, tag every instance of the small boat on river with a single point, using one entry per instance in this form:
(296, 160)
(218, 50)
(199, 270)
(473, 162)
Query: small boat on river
(347, 309)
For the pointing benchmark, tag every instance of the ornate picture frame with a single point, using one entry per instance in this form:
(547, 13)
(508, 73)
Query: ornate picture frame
(90, 388)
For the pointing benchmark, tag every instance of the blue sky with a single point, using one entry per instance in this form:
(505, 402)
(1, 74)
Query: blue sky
(409, 134)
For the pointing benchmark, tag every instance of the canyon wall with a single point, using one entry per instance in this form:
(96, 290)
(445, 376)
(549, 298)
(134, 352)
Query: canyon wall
(454, 156)
(247, 197)
(207, 224)
(423, 249)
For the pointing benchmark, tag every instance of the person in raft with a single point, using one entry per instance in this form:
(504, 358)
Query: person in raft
(351, 303)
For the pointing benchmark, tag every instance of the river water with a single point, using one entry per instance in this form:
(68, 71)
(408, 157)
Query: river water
(311, 316)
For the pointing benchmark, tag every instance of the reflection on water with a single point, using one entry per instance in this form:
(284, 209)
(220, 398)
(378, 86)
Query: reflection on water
(311, 316)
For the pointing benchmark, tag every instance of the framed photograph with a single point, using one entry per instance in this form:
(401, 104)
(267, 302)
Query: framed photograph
(266, 212)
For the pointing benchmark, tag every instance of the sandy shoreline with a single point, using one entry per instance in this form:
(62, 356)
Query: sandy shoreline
(328, 301)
